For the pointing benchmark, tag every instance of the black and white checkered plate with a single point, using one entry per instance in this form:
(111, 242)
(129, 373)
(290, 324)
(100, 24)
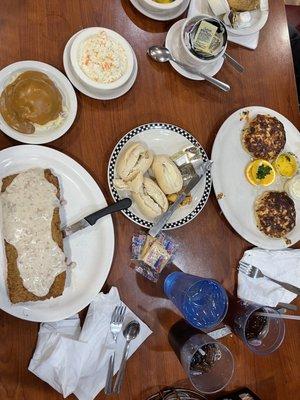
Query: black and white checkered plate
(167, 139)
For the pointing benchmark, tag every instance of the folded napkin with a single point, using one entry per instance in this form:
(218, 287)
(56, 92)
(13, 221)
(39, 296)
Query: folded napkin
(282, 265)
(202, 7)
(75, 360)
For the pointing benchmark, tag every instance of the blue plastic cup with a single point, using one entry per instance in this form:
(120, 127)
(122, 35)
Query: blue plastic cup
(202, 302)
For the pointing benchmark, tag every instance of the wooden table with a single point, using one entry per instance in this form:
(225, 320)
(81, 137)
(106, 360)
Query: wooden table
(39, 30)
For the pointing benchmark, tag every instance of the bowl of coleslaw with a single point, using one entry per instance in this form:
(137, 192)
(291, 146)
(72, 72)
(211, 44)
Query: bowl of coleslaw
(101, 58)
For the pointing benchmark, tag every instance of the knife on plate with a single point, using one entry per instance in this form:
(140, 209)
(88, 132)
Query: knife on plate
(164, 218)
(91, 219)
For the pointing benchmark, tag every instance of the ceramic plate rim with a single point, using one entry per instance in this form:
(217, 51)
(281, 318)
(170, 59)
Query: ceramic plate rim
(155, 17)
(111, 164)
(223, 205)
(38, 152)
(70, 93)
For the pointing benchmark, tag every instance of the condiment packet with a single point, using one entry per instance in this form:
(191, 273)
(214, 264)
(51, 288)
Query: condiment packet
(204, 37)
(150, 255)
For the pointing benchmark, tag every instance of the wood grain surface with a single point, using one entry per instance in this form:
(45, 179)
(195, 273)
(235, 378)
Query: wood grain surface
(39, 30)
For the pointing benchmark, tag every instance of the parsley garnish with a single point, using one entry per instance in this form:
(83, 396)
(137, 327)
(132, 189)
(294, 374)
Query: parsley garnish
(263, 171)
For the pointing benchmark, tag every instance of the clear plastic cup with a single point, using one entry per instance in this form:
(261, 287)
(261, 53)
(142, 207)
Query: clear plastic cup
(269, 332)
(217, 374)
(202, 302)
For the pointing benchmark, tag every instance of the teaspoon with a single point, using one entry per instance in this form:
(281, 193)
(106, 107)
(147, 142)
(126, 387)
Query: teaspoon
(130, 332)
(233, 62)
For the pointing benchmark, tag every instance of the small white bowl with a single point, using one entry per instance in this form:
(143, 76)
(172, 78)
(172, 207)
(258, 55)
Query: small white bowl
(157, 7)
(188, 56)
(74, 54)
(46, 135)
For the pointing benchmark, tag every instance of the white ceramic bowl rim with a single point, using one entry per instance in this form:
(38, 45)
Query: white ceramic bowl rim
(163, 6)
(64, 86)
(209, 60)
(86, 33)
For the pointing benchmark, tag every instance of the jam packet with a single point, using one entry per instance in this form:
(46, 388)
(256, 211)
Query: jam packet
(150, 255)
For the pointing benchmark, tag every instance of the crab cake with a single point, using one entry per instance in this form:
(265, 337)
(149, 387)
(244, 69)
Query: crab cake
(264, 137)
(275, 214)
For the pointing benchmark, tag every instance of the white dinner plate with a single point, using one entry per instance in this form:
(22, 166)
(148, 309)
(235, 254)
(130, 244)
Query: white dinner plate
(96, 94)
(162, 15)
(91, 249)
(167, 139)
(8, 73)
(235, 195)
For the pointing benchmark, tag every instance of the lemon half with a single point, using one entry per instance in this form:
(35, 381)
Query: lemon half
(286, 164)
(260, 172)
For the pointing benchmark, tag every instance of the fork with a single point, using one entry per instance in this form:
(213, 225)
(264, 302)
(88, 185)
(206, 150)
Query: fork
(254, 272)
(116, 323)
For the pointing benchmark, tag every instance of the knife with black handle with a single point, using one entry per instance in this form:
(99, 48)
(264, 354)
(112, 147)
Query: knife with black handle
(91, 219)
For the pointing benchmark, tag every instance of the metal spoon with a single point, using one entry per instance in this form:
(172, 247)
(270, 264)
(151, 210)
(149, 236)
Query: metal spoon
(162, 54)
(233, 62)
(130, 332)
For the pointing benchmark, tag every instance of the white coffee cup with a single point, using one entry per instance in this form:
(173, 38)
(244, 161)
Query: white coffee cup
(188, 56)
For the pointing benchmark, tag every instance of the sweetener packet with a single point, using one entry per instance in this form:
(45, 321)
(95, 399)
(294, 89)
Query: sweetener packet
(150, 255)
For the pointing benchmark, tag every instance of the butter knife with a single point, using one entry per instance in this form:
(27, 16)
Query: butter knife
(91, 219)
(164, 218)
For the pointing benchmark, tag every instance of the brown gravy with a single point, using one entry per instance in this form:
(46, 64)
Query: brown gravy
(32, 98)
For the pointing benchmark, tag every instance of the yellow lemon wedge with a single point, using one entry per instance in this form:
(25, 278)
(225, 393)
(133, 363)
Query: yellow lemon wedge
(286, 164)
(260, 172)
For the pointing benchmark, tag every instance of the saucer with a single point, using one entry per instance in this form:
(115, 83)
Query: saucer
(96, 94)
(160, 16)
(173, 43)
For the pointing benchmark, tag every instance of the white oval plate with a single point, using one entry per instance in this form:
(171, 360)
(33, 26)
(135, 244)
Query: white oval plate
(230, 160)
(91, 249)
(96, 94)
(65, 88)
(163, 15)
(167, 139)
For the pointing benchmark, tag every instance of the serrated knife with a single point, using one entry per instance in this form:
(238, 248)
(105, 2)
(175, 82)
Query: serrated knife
(164, 218)
(91, 219)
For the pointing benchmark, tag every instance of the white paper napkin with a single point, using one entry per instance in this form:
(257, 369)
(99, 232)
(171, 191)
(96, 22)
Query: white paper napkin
(202, 7)
(282, 265)
(74, 360)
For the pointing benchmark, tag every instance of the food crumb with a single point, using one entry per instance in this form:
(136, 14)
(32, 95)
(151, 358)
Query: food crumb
(220, 196)
(245, 116)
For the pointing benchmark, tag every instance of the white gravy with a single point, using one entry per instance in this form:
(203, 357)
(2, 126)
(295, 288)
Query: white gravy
(27, 208)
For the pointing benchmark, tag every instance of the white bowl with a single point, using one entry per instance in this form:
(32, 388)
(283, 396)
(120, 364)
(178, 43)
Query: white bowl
(47, 135)
(75, 49)
(153, 6)
(188, 56)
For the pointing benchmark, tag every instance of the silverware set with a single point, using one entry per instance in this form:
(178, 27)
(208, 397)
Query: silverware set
(130, 332)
